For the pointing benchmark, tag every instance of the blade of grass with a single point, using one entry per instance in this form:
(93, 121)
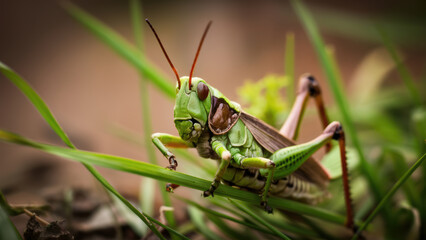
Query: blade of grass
(399, 165)
(197, 218)
(122, 47)
(146, 200)
(36, 100)
(135, 9)
(227, 230)
(290, 228)
(260, 220)
(389, 194)
(7, 229)
(167, 175)
(224, 216)
(333, 81)
(289, 66)
(6, 207)
(402, 69)
(208, 167)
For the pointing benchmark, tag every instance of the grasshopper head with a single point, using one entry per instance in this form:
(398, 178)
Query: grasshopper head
(192, 108)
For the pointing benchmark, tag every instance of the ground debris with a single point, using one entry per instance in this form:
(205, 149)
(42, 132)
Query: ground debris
(53, 231)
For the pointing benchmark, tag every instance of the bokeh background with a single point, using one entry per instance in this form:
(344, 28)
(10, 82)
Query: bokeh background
(92, 91)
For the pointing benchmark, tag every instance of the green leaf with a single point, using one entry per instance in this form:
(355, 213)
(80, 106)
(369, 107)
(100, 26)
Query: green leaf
(167, 175)
(388, 195)
(122, 47)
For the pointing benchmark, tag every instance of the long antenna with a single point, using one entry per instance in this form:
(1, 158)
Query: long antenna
(198, 52)
(164, 51)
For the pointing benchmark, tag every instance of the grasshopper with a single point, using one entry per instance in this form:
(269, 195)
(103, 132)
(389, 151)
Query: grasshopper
(253, 155)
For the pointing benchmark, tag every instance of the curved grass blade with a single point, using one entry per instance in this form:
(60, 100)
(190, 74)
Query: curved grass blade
(7, 229)
(224, 216)
(197, 218)
(167, 175)
(6, 207)
(227, 230)
(135, 9)
(390, 193)
(290, 228)
(260, 220)
(36, 100)
(122, 47)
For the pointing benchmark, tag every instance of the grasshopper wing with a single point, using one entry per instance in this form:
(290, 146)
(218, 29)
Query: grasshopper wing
(272, 140)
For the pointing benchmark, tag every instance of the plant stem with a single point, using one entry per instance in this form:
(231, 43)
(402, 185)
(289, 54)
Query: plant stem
(146, 112)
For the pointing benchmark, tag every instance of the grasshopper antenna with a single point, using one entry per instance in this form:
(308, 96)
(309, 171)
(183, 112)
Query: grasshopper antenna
(198, 52)
(164, 51)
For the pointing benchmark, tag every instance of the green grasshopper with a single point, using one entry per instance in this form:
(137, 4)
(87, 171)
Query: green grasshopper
(252, 155)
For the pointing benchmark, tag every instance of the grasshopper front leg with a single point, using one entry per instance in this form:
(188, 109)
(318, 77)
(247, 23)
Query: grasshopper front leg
(164, 140)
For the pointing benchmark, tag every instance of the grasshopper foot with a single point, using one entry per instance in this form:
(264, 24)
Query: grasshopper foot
(173, 163)
(267, 208)
(171, 186)
(210, 191)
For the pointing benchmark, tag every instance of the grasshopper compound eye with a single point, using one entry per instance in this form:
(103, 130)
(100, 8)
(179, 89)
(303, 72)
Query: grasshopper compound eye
(202, 90)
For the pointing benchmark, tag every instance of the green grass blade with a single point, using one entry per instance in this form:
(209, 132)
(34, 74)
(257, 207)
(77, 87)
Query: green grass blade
(260, 220)
(402, 69)
(413, 196)
(35, 99)
(122, 47)
(387, 197)
(6, 207)
(289, 60)
(135, 9)
(224, 216)
(7, 229)
(197, 218)
(333, 81)
(146, 198)
(290, 228)
(227, 230)
(167, 175)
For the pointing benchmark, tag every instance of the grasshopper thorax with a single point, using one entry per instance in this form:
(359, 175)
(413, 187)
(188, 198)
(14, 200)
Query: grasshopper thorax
(192, 108)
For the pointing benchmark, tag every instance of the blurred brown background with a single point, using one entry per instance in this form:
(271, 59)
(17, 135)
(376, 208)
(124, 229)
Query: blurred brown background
(90, 89)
